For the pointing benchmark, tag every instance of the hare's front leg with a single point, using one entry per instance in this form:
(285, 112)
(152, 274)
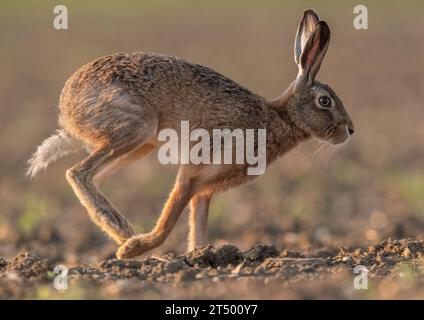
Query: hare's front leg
(198, 222)
(178, 199)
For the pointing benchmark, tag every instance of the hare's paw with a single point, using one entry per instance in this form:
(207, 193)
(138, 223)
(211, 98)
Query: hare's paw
(135, 246)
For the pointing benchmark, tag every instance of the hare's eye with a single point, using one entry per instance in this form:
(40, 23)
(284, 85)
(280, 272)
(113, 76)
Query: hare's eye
(324, 101)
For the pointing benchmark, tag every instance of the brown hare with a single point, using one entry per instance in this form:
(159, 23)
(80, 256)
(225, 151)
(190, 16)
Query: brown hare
(116, 105)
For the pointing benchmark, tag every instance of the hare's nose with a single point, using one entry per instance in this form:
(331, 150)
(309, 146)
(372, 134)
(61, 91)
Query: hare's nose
(350, 129)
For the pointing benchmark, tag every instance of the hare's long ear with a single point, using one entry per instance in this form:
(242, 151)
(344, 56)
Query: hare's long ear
(304, 30)
(314, 51)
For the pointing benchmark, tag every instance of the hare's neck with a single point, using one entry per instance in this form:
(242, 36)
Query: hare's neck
(282, 132)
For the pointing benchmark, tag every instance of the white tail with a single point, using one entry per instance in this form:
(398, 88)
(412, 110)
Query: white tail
(53, 148)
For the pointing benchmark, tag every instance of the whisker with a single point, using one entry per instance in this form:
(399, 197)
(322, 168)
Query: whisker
(324, 157)
(319, 154)
(312, 157)
(330, 153)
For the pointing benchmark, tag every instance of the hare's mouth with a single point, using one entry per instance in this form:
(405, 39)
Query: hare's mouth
(340, 141)
(340, 136)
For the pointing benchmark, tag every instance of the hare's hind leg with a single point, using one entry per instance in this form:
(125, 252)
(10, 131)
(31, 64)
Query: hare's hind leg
(105, 159)
(198, 222)
(122, 161)
(99, 209)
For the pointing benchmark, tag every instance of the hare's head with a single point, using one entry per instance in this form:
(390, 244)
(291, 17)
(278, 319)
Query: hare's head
(314, 106)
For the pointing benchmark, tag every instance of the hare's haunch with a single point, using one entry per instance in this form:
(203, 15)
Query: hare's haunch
(116, 105)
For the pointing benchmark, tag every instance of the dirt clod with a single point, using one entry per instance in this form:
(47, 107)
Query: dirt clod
(215, 257)
(3, 263)
(260, 252)
(29, 265)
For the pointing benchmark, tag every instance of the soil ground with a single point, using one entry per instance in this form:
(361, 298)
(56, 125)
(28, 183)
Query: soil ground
(392, 266)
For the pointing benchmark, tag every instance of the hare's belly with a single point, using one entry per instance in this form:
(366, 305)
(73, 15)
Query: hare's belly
(221, 177)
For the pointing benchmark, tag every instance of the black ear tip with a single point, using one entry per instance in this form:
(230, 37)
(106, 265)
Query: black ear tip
(311, 12)
(323, 26)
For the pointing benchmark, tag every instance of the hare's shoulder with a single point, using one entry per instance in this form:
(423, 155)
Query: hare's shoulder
(216, 86)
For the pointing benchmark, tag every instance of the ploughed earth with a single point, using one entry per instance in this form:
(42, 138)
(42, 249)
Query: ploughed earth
(389, 269)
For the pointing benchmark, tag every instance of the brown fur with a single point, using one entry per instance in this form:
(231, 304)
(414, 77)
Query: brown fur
(117, 104)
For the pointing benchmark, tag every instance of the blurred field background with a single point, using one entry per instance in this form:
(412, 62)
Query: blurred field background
(369, 190)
